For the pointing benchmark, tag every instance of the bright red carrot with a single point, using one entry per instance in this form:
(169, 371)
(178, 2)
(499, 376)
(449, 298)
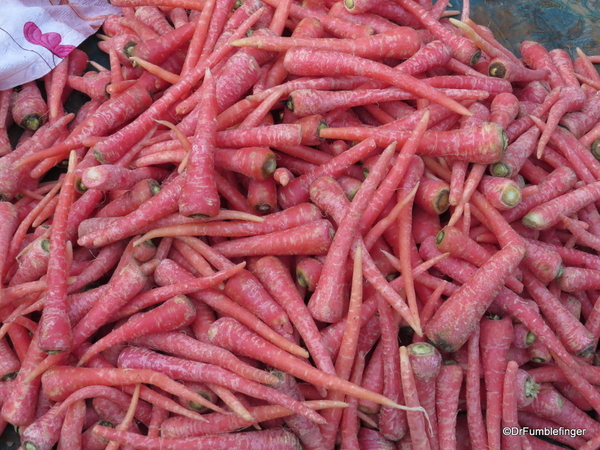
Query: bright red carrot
(448, 384)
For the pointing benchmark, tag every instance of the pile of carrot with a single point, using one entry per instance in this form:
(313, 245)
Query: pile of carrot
(358, 224)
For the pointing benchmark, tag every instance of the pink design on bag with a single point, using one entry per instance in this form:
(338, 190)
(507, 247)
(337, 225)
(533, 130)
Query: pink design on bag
(50, 40)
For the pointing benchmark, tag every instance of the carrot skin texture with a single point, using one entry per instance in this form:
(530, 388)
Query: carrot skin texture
(133, 358)
(495, 340)
(297, 62)
(484, 144)
(273, 439)
(221, 334)
(173, 314)
(183, 346)
(313, 238)
(491, 277)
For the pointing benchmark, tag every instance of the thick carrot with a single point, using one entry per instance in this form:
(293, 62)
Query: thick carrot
(483, 144)
(478, 293)
(199, 196)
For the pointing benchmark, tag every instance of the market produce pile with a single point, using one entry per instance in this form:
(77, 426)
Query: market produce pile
(361, 223)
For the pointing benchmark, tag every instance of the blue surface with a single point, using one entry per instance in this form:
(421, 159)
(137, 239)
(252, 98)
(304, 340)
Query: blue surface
(565, 24)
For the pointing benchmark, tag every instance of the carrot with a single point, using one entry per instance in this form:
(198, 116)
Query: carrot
(495, 340)
(398, 43)
(167, 272)
(313, 238)
(415, 418)
(221, 334)
(273, 439)
(321, 62)
(326, 302)
(393, 424)
(546, 215)
(141, 359)
(276, 278)
(199, 192)
(447, 385)
(55, 329)
(173, 314)
(178, 344)
(111, 177)
(29, 110)
(478, 292)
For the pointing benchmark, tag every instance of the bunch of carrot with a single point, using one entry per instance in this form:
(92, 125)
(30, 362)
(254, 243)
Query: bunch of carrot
(361, 223)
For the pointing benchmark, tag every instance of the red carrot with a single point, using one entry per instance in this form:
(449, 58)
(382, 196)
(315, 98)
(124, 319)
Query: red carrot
(478, 293)
(321, 62)
(55, 329)
(276, 278)
(183, 346)
(222, 333)
(313, 238)
(146, 360)
(273, 439)
(199, 192)
(495, 340)
(398, 43)
(171, 315)
(168, 272)
(29, 109)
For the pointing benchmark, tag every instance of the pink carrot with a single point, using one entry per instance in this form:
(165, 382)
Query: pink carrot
(277, 280)
(173, 314)
(141, 359)
(222, 333)
(398, 43)
(199, 192)
(55, 329)
(415, 417)
(179, 344)
(494, 360)
(321, 62)
(325, 302)
(273, 439)
(479, 292)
